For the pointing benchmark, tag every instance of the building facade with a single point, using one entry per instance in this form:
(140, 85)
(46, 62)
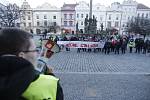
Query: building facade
(82, 10)
(40, 19)
(129, 9)
(143, 11)
(99, 11)
(46, 16)
(68, 18)
(26, 21)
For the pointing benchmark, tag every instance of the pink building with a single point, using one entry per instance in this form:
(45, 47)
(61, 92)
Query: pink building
(68, 15)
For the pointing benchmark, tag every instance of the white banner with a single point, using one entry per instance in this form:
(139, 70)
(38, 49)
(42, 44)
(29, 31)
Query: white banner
(81, 44)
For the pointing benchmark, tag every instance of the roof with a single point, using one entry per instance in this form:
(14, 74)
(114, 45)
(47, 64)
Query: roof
(73, 5)
(46, 6)
(25, 5)
(142, 6)
(1, 5)
(68, 7)
(4, 2)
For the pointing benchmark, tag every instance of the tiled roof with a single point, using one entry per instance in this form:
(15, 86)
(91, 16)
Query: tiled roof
(71, 5)
(142, 6)
(68, 7)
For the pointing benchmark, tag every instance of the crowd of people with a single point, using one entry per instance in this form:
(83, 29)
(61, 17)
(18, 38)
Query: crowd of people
(116, 44)
(19, 79)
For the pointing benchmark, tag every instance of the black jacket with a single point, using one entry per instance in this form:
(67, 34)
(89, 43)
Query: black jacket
(16, 74)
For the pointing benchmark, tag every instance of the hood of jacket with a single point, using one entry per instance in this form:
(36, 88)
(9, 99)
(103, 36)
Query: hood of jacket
(16, 74)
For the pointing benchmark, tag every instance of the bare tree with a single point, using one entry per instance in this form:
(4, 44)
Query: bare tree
(139, 26)
(9, 14)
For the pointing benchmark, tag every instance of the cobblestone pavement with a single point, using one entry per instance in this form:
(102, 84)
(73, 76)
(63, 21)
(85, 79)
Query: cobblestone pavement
(105, 86)
(85, 62)
(96, 76)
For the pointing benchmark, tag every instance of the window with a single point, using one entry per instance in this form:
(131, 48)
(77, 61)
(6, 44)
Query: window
(55, 24)
(45, 17)
(142, 15)
(29, 18)
(28, 12)
(146, 15)
(127, 25)
(109, 17)
(138, 14)
(54, 17)
(117, 17)
(71, 16)
(116, 24)
(87, 15)
(37, 16)
(77, 15)
(70, 23)
(38, 31)
(45, 23)
(65, 23)
(82, 23)
(65, 16)
(109, 24)
(38, 23)
(24, 18)
(82, 16)
(24, 24)
(123, 25)
(29, 24)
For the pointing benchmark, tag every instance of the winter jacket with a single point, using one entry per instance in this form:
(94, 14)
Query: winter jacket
(16, 75)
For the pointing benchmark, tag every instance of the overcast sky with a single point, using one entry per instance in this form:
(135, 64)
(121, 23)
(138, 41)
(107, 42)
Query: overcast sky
(59, 3)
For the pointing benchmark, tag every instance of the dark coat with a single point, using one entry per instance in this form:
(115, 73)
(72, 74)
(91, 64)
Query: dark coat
(16, 74)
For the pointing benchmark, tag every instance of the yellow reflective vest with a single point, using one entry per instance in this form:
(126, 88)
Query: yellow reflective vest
(131, 44)
(44, 88)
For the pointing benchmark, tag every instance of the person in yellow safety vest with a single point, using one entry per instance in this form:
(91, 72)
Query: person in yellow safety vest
(18, 77)
(131, 44)
(39, 43)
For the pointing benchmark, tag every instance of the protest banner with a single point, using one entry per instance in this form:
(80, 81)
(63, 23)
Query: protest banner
(81, 44)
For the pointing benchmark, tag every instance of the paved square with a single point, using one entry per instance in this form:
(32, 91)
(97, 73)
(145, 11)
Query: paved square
(96, 76)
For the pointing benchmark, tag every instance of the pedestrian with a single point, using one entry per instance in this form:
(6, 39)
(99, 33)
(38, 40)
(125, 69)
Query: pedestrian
(18, 78)
(131, 44)
(137, 45)
(123, 45)
(66, 39)
(117, 46)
